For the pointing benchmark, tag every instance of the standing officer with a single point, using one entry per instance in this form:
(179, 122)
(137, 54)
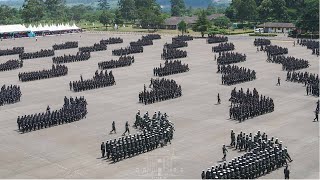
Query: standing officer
(103, 149)
(113, 128)
(278, 84)
(224, 151)
(127, 129)
(286, 172)
(219, 100)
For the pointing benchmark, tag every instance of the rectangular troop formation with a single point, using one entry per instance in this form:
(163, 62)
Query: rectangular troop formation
(310, 44)
(169, 68)
(170, 51)
(9, 94)
(56, 71)
(11, 65)
(310, 81)
(66, 45)
(13, 51)
(234, 74)
(122, 62)
(216, 39)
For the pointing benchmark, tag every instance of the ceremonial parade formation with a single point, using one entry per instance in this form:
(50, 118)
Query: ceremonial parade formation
(10, 94)
(111, 40)
(230, 57)
(80, 56)
(14, 50)
(310, 44)
(234, 74)
(160, 90)
(175, 44)
(72, 110)
(273, 50)
(127, 50)
(11, 65)
(248, 105)
(169, 54)
(95, 47)
(182, 38)
(310, 81)
(122, 62)
(99, 80)
(38, 54)
(289, 63)
(172, 67)
(261, 42)
(223, 47)
(216, 39)
(66, 45)
(55, 71)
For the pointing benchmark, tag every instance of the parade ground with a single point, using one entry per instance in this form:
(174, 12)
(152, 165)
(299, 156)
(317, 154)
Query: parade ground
(201, 126)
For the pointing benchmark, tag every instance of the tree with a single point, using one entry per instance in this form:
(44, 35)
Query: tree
(279, 10)
(105, 18)
(222, 22)
(309, 19)
(127, 9)
(245, 9)
(104, 5)
(265, 10)
(33, 11)
(182, 26)
(202, 24)
(230, 12)
(178, 7)
(55, 9)
(118, 17)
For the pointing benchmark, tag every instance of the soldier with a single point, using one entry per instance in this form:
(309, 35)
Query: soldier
(317, 115)
(48, 109)
(219, 100)
(233, 139)
(103, 149)
(127, 129)
(278, 84)
(113, 128)
(224, 151)
(286, 172)
(203, 175)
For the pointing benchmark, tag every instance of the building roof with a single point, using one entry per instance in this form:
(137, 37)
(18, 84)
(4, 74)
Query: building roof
(214, 16)
(173, 21)
(276, 25)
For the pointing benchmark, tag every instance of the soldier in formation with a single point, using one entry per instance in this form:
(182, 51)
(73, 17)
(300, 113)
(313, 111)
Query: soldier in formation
(289, 63)
(151, 37)
(38, 54)
(217, 39)
(262, 156)
(111, 40)
(127, 51)
(234, 74)
(122, 62)
(230, 57)
(310, 44)
(11, 64)
(248, 105)
(161, 89)
(99, 80)
(273, 50)
(66, 45)
(175, 44)
(261, 42)
(169, 68)
(95, 47)
(9, 94)
(14, 50)
(310, 81)
(72, 110)
(80, 56)
(55, 71)
(182, 38)
(142, 42)
(155, 133)
(168, 54)
(223, 47)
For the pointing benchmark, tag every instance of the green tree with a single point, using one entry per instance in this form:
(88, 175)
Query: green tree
(178, 7)
(202, 24)
(55, 9)
(245, 9)
(127, 9)
(309, 19)
(222, 22)
(211, 9)
(104, 5)
(279, 10)
(182, 26)
(230, 12)
(118, 17)
(105, 18)
(33, 11)
(265, 10)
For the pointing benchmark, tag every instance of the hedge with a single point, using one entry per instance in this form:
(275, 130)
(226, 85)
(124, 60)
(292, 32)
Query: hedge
(263, 34)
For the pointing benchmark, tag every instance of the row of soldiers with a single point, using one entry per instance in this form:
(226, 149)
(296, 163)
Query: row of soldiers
(9, 94)
(66, 45)
(142, 42)
(223, 47)
(161, 89)
(127, 50)
(273, 50)
(182, 38)
(289, 63)
(160, 133)
(111, 40)
(216, 39)
(230, 57)
(151, 36)
(248, 105)
(265, 156)
(168, 54)
(175, 44)
(80, 56)
(234, 74)
(261, 42)
(72, 110)
(99, 80)
(11, 64)
(122, 62)
(55, 71)
(311, 81)
(14, 50)
(172, 67)
(38, 54)
(310, 44)
(95, 47)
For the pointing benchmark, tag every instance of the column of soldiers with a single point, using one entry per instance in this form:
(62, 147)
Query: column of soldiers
(289, 63)
(161, 89)
(11, 64)
(9, 94)
(230, 57)
(151, 36)
(311, 81)
(122, 62)
(156, 132)
(261, 42)
(80, 56)
(66, 45)
(56, 71)
(72, 110)
(223, 47)
(111, 40)
(175, 44)
(38, 54)
(234, 74)
(182, 38)
(168, 54)
(216, 39)
(127, 50)
(263, 155)
(248, 105)
(14, 50)
(273, 50)
(172, 67)
(99, 80)
(142, 42)
(310, 44)
(95, 47)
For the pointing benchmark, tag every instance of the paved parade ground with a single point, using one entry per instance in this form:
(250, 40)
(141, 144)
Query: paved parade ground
(202, 127)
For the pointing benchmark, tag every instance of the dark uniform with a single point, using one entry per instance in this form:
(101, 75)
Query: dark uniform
(103, 149)
(113, 128)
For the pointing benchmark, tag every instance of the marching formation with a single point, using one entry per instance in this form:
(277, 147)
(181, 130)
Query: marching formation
(80, 56)
(261, 42)
(38, 54)
(216, 39)
(168, 54)
(182, 38)
(142, 42)
(249, 105)
(234, 74)
(289, 63)
(11, 65)
(122, 62)
(99, 80)
(263, 155)
(223, 47)
(66, 45)
(310, 44)
(127, 50)
(161, 89)
(172, 67)
(230, 57)
(95, 47)
(56, 71)
(175, 44)
(275, 50)
(311, 81)
(9, 94)
(111, 40)
(72, 110)
(14, 50)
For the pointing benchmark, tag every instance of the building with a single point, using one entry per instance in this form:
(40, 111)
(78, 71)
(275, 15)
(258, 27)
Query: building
(271, 27)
